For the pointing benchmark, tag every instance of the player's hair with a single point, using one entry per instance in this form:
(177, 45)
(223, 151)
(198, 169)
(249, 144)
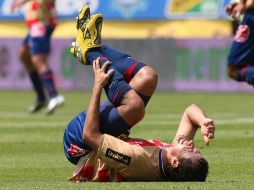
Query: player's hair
(188, 170)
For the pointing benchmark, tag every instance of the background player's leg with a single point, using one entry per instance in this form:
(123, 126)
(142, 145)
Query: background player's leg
(40, 52)
(25, 58)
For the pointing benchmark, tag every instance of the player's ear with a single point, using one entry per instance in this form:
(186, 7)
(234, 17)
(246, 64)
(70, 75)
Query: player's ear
(174, 162)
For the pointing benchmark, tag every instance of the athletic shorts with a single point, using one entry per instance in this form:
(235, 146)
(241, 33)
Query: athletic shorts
(242, 49)
(38, 38)
(73, 136)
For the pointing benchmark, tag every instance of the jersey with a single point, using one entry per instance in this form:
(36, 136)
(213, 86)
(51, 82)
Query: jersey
(40, 11)
(117, 160)
(41, 19)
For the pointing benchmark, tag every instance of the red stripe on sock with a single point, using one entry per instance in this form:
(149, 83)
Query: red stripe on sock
(115, 98)
(128, 74)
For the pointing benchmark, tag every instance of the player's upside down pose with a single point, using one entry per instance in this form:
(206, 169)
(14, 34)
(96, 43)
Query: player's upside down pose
(90, 138)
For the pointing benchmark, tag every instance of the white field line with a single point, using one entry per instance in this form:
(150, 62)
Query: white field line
(217, 121)
(10, 114)
(31, 124)
(7, 114)
(150, 119)
(24, 124)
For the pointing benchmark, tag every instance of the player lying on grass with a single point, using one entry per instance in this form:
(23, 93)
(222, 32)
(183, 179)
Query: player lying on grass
(241, 56)
(136, 159)
(128, 159)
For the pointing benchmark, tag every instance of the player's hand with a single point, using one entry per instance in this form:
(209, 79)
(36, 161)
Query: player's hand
(234, 10)
(101, 77)
(207, 129)
(16, 5)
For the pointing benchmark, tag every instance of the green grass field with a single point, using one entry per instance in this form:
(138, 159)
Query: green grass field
(31, 151)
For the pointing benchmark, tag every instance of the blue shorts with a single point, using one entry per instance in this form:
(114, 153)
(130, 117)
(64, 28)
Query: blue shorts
(39, 43)
(242, 49)
(73, 136)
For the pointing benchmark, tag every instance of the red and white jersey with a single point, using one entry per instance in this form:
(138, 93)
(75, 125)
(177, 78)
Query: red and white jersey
(117, 160)
(40, 11)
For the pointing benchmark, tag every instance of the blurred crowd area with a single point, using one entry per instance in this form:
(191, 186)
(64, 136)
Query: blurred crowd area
(186, 41)
(134, 19)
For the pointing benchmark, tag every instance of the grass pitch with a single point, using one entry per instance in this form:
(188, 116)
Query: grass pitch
(31, 151)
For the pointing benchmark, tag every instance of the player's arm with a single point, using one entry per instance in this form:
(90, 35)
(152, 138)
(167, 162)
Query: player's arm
(249, 4)
(91, 133)
(234, 10)
(17, 4)
(192, 119)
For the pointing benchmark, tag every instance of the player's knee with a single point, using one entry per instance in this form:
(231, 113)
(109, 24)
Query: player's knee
(148, 78)
(150, 75)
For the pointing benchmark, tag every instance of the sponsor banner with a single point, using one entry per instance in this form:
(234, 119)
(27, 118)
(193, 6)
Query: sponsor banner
(131, 9)
(185, 65)
(193, 8)
(182, 65)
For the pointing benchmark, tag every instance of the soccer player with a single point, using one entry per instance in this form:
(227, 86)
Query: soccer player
(41, 20)
(113, 159)
(102, 157)
(241, 56)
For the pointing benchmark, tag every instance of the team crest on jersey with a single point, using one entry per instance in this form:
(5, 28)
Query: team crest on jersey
(118, 156)
(242, 33)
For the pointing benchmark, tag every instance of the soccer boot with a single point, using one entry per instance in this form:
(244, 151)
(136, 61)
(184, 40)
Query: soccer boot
(54, 103)
(88, 37)
(37, 106)
(83, 17)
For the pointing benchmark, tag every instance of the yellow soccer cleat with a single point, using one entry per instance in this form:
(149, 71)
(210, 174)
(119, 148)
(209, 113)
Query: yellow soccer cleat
(83, 17)
(88, 37)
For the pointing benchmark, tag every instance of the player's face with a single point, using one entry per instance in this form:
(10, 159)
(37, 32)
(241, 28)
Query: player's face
(184, 148)
(187, 146)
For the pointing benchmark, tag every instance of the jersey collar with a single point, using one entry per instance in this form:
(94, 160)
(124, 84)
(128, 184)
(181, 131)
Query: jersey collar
(161, 164)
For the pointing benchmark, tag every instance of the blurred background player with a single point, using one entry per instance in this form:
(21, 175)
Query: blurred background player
(241, 56)
(41, 20)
